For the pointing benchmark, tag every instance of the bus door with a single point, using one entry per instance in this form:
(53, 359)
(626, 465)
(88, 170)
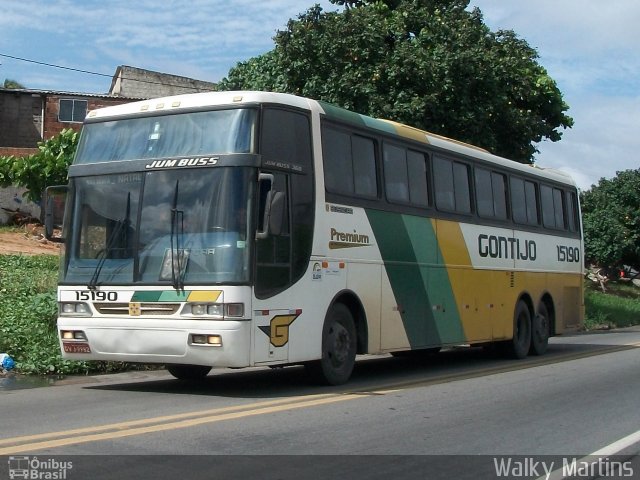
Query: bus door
(271, 312)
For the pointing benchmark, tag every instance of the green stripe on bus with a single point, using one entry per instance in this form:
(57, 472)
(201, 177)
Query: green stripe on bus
(412, 260)
(173, 296)
(144, 296)
(435, 277)
(407, 283)
(342, 115)
(160, 296)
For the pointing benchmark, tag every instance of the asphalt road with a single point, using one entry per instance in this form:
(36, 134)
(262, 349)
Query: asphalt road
(456, 414)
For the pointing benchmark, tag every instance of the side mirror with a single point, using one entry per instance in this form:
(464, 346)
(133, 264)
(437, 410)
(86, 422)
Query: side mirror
(55, 199)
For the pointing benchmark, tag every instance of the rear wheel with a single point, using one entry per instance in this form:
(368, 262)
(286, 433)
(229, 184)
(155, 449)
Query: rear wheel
(188, 372)
(540, 331)
(338, 348)
(518, 346)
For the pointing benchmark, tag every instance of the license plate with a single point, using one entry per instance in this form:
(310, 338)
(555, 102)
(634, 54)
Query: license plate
(76, 347)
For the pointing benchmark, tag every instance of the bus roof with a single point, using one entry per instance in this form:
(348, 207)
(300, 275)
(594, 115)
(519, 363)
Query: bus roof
(211, 99)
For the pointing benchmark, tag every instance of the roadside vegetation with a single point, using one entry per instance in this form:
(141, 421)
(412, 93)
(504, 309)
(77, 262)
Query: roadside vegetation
(28, 315)
(28, 309)
(618, 307)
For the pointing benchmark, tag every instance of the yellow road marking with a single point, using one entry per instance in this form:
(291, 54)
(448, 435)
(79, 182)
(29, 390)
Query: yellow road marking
(40, 441)
(127, 430)
(161, 419)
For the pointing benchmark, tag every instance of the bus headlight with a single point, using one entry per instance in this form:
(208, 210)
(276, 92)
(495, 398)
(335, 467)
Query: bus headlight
(214, 310)
(74, 309)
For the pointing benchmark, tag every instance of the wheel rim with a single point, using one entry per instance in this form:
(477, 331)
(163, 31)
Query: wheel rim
(542, 327)
(339, 342)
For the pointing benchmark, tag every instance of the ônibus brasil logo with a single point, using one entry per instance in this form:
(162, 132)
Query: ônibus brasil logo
(33, 468)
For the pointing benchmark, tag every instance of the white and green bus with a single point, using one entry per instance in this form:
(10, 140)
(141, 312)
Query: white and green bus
(237, 229)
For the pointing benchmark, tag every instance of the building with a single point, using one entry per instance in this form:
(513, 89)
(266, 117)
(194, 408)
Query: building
(138, 83)
(28, 116)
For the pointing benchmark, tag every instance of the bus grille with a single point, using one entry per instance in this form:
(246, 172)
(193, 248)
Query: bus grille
(141, 309)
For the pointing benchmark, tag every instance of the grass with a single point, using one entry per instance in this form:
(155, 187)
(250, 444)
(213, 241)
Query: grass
(11, 229)
(618, 307)
(28, 311)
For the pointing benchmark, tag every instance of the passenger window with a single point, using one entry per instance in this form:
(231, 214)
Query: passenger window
(349, 163)
(395, 174)
(364, 166)
(443, 184)
(418, 179)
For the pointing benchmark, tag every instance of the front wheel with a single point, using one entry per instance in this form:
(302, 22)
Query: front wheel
(338, 348)
(188, 372)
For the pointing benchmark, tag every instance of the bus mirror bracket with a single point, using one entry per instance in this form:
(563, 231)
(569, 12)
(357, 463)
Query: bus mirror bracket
(55, 199)
(265, 181)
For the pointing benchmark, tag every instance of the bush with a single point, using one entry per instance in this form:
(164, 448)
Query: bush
(28, 309)
(47, 167)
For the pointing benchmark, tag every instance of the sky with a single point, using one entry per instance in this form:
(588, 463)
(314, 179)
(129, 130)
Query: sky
(589, 47)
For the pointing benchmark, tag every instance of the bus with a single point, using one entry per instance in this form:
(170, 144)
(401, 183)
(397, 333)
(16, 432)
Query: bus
(238, 229)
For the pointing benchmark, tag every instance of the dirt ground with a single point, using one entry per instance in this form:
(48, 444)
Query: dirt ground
(27, 242)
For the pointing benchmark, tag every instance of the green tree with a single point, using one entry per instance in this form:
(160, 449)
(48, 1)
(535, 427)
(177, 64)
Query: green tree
(8, 83)
(47, 167)
(431, 64)
(611, 220)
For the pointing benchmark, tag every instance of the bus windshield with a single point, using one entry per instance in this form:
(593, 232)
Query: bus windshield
(179, 227)
(184, 134)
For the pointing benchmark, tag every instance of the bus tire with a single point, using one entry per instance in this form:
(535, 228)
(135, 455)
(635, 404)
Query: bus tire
(188, 372)
(339, 345)
(540, 331)
(518, 346)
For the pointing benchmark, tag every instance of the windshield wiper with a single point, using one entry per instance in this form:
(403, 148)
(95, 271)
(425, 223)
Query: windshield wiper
(115, 233)
(177, 233)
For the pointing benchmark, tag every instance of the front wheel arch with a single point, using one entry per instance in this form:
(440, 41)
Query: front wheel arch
(353, 303)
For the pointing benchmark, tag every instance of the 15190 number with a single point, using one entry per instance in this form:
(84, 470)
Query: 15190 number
(96, 295)
(568, 254)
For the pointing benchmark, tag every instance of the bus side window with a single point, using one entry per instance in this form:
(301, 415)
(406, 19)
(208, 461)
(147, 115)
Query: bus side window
(552, 208)
(395, 173)
(572, 211)
(451, 181)
(364, 166)
(524, 203)
(443, 183)
(338, 170)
